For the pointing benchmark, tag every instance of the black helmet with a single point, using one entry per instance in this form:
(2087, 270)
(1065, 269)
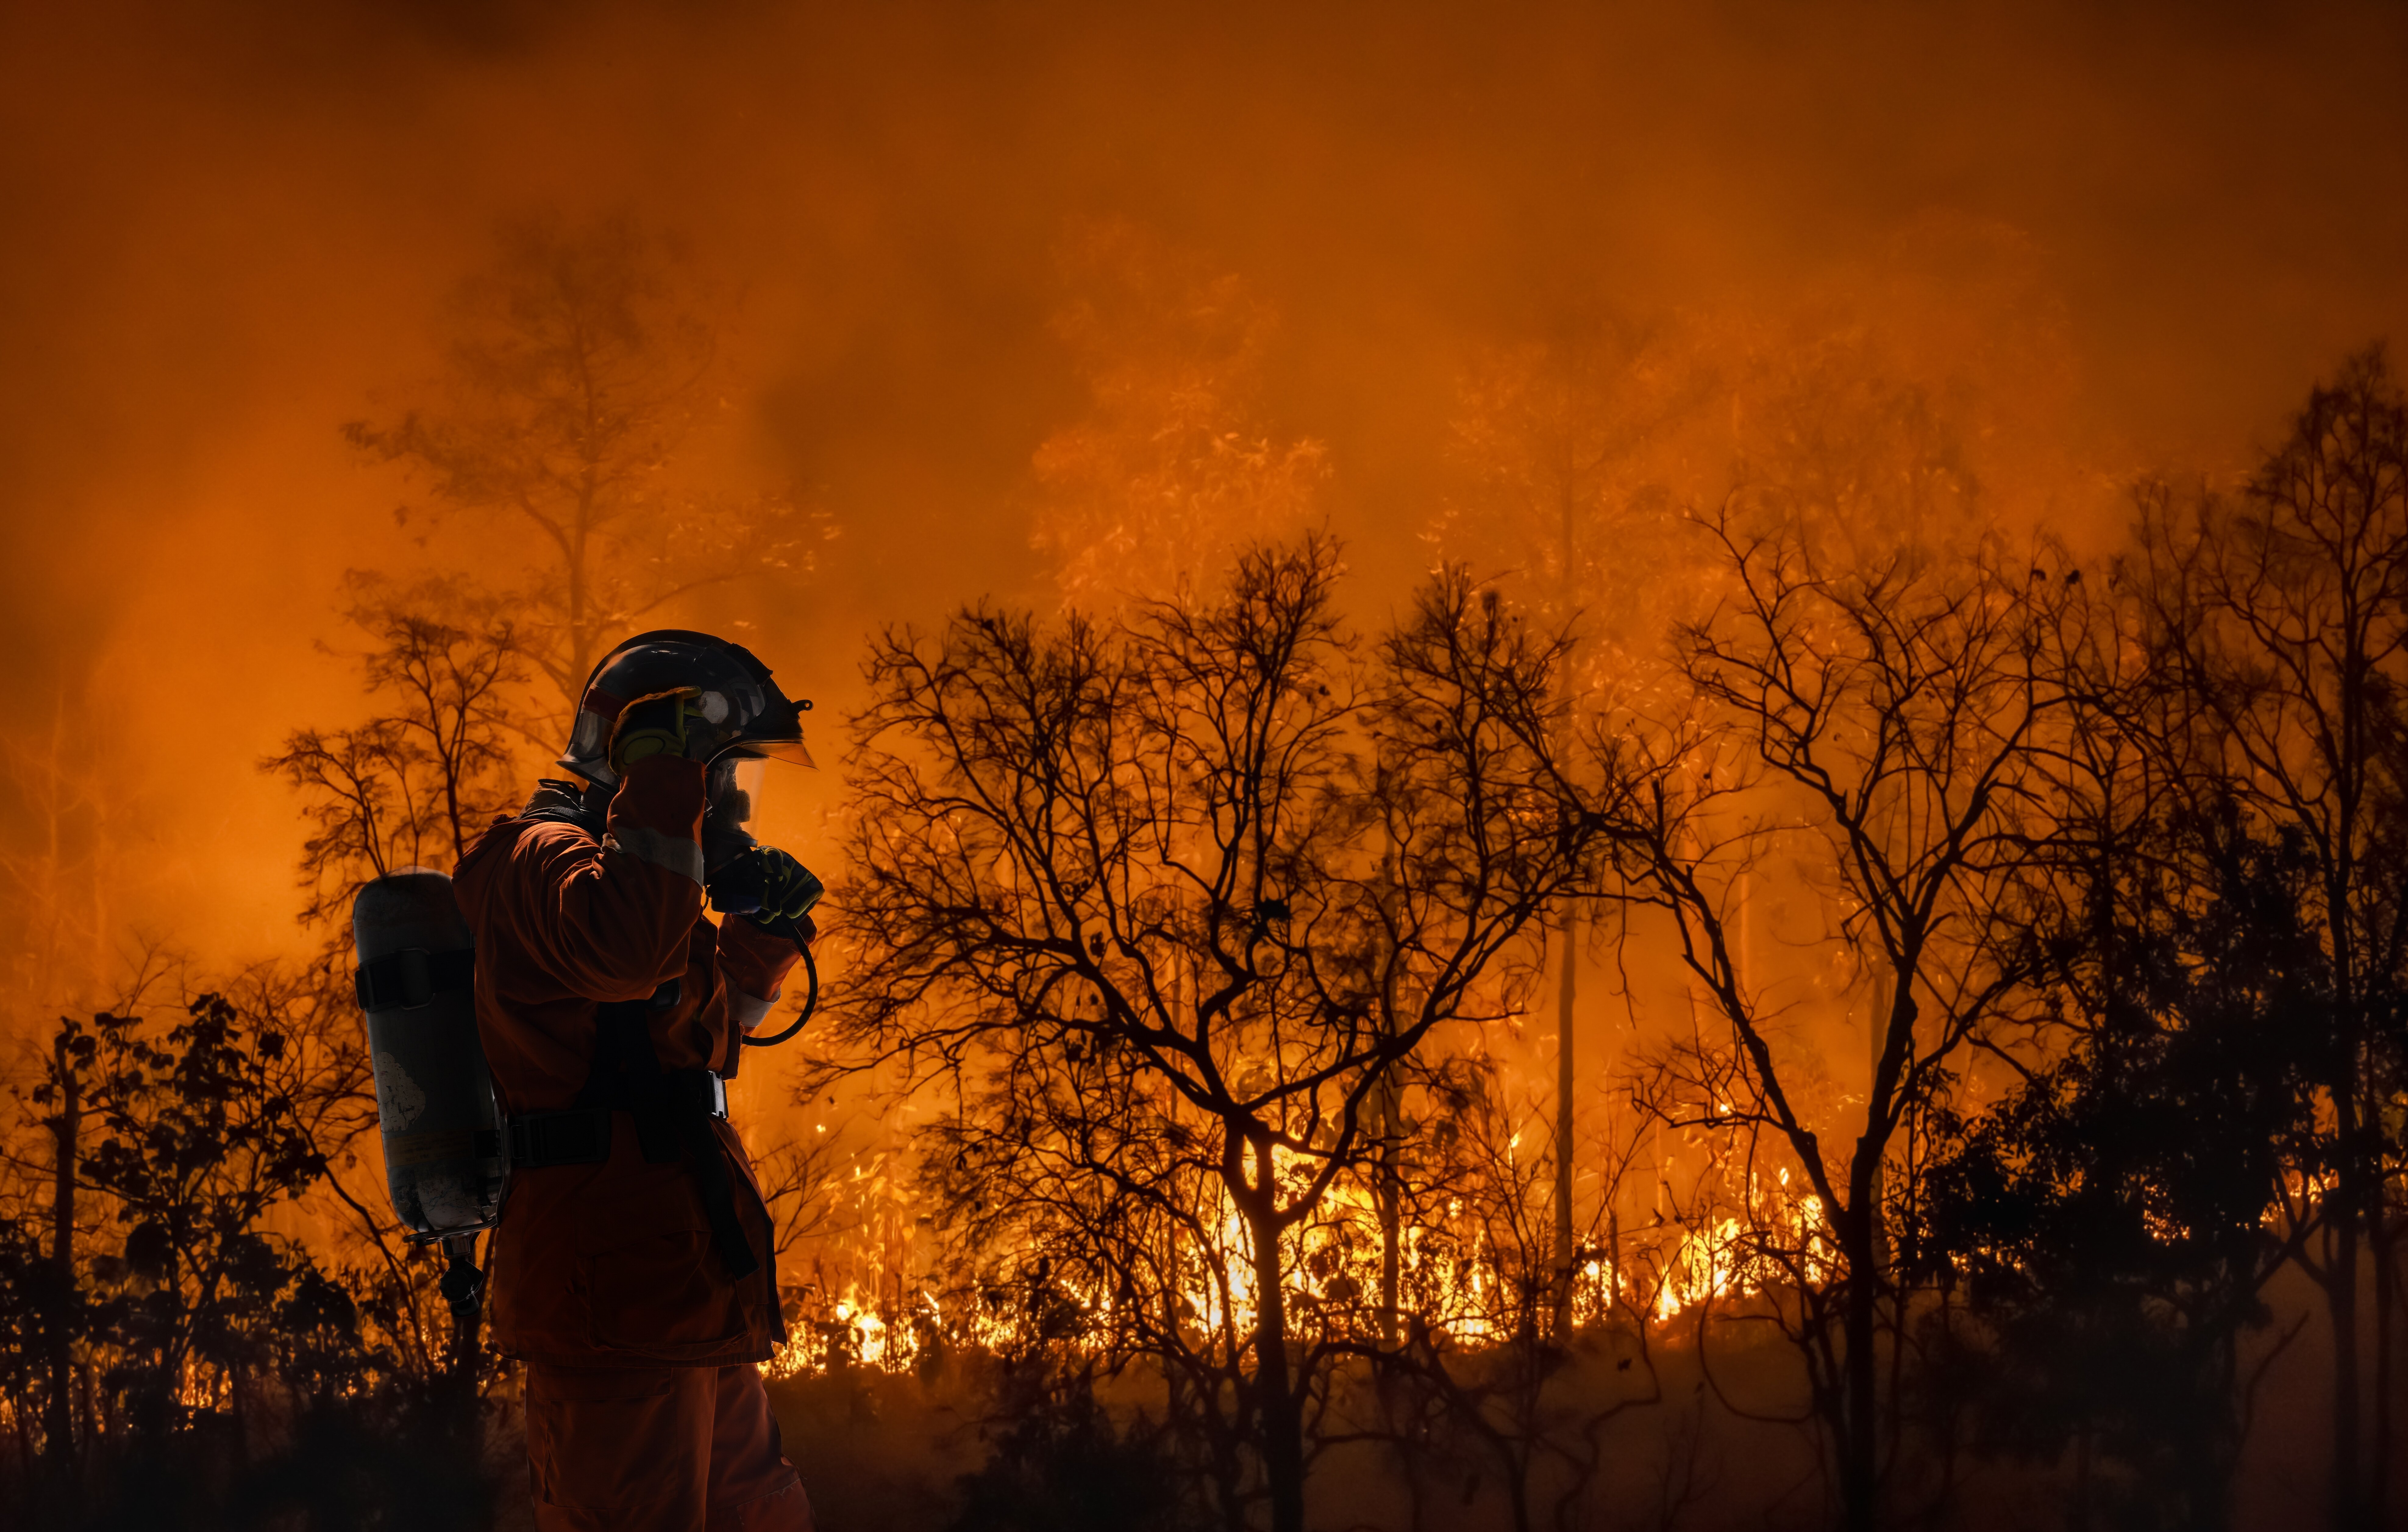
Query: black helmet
(753, 719)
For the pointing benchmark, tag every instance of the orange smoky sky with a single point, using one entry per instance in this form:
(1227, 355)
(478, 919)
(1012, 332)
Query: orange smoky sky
(230, 227)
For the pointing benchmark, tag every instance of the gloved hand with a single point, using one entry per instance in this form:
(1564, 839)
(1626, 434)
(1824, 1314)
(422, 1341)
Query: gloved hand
(669, 724)
(770, 888)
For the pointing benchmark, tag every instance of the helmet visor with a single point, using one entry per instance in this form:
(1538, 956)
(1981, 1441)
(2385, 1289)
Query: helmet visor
(790, 750)
(735, 798)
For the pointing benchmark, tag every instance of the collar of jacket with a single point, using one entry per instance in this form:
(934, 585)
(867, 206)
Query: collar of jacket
(581, 804)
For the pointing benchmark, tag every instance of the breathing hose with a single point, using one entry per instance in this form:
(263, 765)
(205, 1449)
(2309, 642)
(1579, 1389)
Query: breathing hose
(810, 1003)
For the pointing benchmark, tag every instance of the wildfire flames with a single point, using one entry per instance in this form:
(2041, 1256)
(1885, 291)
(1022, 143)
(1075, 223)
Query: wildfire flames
(1506, 702)
(876, 1294)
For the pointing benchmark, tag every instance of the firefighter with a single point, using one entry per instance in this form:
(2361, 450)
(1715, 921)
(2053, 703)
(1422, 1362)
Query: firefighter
(633, 1269)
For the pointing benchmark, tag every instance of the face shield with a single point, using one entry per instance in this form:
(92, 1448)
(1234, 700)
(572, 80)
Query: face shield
(789, 751)
(733, 787)
(734, 792)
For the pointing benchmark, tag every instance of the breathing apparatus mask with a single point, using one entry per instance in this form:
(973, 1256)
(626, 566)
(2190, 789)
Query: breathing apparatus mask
(734, 784)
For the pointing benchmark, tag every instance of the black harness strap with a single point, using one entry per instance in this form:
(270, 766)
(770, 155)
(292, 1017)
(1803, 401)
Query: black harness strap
(412, 977)
(673, 1111)
(540, 1139)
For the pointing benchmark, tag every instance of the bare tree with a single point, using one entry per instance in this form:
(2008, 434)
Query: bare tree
(1482, 1362)
(421, 778)
(1896, 730)
(1130, 894)
(577, 368)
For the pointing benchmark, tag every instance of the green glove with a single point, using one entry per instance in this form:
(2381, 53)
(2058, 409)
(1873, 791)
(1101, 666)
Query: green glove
(664, 723)
(789, 889)
(767, 886)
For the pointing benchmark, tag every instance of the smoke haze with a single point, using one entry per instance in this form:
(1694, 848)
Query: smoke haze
(231, 229)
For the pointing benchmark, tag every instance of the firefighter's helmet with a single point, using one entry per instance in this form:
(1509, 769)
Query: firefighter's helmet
(751, 719)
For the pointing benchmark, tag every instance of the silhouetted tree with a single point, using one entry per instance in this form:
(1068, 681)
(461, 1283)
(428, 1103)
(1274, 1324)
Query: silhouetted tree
(577, 366)
(2281, 617)
(1128, 893)
(421, 778)
(1895, 730)
(2109, 1219)
(1484, 1381)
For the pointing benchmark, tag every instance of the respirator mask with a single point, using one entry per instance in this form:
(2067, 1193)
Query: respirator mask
(733, 793)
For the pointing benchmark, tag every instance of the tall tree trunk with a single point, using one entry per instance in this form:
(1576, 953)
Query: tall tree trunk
(1859, 1436)
(1388, 1194)
(2378, 1487)
(2348, 1504)
(59, 1418)
(1564, 1071)
(1569, 506)
(1390, 1197)
(1884, 1006)
(1282, 1424)
(2341, 1313)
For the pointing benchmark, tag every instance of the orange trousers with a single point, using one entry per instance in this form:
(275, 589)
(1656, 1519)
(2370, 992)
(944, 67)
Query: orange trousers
(658, 1450)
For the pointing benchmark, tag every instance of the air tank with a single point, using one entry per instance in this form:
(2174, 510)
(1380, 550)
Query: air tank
(445, 1152)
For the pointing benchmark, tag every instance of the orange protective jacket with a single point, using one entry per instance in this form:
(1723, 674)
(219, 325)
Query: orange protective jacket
(613, 1263)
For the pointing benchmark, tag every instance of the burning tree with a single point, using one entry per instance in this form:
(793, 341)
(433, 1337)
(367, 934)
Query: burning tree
(1896, 734)
(1554, 440)
(1172, 471)
(1165, 905)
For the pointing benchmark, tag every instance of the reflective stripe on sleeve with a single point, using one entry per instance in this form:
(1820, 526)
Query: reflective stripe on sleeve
(747, 1010)
(675, 853)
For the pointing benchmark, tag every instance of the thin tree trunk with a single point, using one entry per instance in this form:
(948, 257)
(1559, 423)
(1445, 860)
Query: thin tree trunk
(1390, 1192)
(1517, 1492)
(1391, 1200)
(2341, 1308)
(1570, 508)
(1564, 1072)
(1885, 1005)
(59, 1427)
(2378, 1488)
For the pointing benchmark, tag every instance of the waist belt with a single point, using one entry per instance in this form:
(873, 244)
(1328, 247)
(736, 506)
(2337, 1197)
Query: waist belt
(582, 1135)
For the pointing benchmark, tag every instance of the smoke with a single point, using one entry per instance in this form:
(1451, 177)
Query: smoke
(233, 227)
